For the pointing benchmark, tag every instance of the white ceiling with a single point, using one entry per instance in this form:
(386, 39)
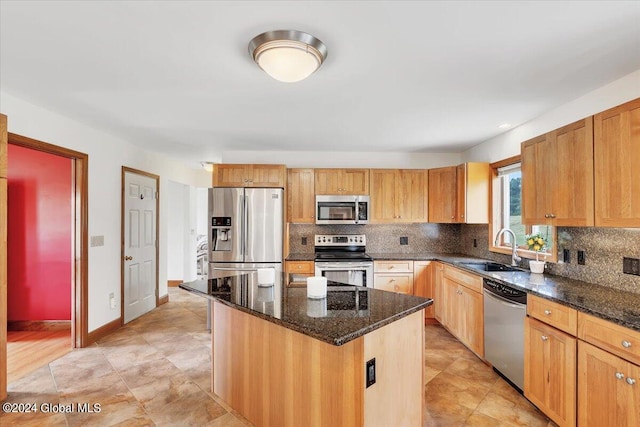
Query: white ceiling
(176, 77)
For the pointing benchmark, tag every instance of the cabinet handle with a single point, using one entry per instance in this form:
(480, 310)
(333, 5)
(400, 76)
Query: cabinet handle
(390, 267)
(619, 375)
(626, 344)
(544, 338)
(400, 216)
(246, 180)
(453, 217)
(547, 312)
(631, 381)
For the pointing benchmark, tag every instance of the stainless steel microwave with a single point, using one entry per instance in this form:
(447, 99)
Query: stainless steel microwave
(342, 209)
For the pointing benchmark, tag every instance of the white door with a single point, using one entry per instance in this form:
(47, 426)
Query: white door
(139, 245)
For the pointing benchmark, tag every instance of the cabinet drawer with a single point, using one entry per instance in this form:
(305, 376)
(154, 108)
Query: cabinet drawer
(621, 341)
(554, 314)
(306, 267)
(401, 283)
(393, 266)
(469, 280)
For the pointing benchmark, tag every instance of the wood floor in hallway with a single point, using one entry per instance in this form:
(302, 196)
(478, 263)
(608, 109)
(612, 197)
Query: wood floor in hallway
(29, 350)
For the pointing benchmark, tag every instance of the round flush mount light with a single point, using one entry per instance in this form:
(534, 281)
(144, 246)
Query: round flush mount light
(287, 55)
(505, 126)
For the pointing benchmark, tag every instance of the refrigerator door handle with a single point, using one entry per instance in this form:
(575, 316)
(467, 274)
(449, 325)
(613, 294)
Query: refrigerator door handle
(242, 225)
(246, 223)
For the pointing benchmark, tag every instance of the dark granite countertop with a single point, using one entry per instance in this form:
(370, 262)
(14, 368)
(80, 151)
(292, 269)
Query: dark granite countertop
(347, 313)
(301, 257)
(607, 303)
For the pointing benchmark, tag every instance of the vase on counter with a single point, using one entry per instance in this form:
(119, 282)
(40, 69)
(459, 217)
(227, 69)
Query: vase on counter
(536, 267)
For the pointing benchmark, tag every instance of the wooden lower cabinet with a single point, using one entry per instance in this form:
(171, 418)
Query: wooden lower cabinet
(423, 285)
(298, 271)
(608, 389)
(550, 371)
(464, 314)
(394, 276)
(438, 292)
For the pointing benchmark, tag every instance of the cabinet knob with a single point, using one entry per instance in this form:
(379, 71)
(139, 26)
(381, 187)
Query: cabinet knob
(626, 344)
(544, 338)
(619, 375)
(547, 312)
(461, 216)
(546, 215)
(453, 217)
(631, 381)
(396, 287)
(552, 215)
(400, 216)
(392, 280)
(390, 267)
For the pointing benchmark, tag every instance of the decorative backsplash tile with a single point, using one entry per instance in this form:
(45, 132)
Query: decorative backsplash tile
(604, 249)
(383, 238)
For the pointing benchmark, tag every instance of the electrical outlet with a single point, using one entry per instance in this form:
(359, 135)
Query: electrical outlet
(631, 266)
(112, 301)
(475, 243)
(371, 372)
(581, 257)
(566, 256)
(404, 240)
(304, 241)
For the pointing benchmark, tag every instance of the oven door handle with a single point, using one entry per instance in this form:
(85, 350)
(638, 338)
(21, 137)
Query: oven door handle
(343, 265)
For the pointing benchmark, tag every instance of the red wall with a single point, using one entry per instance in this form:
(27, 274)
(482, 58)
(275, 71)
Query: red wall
(39, 236)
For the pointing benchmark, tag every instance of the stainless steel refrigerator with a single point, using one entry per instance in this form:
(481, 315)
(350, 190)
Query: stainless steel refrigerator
(245, 229)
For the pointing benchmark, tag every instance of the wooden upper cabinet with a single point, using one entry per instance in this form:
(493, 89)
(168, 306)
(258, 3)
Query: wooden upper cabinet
(557, 176)
(399, 195)
(616, 160)
(301, 203)
(342, 181)
(442, 194)
(459, 194)
(472, 193)
(240, 175)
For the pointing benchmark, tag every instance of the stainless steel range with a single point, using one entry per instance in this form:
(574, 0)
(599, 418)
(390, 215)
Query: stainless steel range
(342, 258)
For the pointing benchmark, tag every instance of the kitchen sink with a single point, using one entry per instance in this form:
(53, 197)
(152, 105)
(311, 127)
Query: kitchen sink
(489, 266)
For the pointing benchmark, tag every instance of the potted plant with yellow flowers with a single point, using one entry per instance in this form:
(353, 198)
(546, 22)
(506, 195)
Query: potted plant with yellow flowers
(537, 243)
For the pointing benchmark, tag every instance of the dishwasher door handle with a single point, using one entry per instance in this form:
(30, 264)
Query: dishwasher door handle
(503, 301)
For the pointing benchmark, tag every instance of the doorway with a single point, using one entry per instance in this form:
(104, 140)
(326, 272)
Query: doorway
(79, 240)
(140, 248)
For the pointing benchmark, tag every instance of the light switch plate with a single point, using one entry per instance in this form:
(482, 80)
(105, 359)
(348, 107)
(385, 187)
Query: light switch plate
(97, 241)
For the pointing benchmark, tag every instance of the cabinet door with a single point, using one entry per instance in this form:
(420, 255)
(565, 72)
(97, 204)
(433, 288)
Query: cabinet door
(537, 167)
(608, 389)
(327, 181)
(383, 195)
(572, 191)
(439, 303)
(401, 283)
(411, 204)
(423, 285)
(230, 175)
(301, 203)
(550, 371)
(267, 175)
(355, 181)
(617, 175)
(471, 319)
(453, 303)
(442, 194)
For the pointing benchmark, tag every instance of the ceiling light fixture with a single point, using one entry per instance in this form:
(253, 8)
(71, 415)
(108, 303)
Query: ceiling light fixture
(505, 126)
(287, 55)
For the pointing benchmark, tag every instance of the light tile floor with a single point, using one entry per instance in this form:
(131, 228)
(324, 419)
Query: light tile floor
(156, 371)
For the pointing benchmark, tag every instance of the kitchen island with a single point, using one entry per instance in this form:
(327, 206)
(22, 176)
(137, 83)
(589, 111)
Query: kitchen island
(281, 359)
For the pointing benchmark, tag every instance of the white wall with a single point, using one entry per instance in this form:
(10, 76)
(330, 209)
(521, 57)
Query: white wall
(107, 154)
(508, 144)
(330, 159)
(175, 230)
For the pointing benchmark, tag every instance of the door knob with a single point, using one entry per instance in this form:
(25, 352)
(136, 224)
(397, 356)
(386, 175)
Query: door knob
(128, 258)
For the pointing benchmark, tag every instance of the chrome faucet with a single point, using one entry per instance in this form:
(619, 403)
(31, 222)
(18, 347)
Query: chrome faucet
(514, 256)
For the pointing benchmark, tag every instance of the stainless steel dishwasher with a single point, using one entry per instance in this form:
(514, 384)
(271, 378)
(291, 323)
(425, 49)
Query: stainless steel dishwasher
(505, 309)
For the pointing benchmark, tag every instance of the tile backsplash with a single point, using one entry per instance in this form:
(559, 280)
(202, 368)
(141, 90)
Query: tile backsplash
(383, 238)
(604, 247)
